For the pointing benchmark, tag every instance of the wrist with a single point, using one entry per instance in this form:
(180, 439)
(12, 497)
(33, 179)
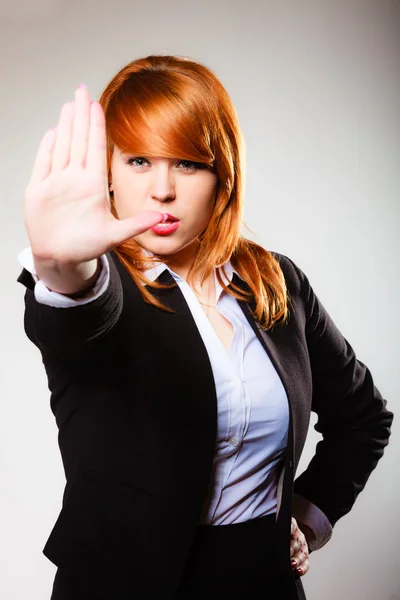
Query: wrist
(68, 279)
(89, 284)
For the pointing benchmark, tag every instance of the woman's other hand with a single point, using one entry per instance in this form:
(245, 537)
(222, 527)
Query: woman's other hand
(67, 202)
(298, 549)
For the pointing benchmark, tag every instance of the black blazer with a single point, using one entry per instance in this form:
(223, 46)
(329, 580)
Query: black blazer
(133, 394)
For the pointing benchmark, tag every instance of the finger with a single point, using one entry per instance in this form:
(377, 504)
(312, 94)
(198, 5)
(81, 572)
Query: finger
(96, 157)
(42, 165)
(61, 153)
(300, 557)
(299, 560)
(128, 228)
(304, 568)
(80, 130)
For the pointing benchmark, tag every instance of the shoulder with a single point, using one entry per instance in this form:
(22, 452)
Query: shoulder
(294, 276)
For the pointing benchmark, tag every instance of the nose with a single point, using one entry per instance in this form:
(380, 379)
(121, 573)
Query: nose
(162, 184)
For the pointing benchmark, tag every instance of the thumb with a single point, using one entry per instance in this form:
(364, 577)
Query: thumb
(125, 229)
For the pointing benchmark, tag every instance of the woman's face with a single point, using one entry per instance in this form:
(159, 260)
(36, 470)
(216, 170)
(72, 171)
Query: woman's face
(183, 189)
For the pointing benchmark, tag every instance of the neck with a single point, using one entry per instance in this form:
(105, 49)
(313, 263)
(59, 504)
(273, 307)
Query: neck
(181, 262)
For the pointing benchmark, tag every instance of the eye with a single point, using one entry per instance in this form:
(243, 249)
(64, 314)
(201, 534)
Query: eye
(189, 165)
(186, 165)
(137, 161)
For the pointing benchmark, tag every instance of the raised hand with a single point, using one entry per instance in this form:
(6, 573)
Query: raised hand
(67, 204)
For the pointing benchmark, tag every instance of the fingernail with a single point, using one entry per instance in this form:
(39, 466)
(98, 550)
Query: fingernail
(294, 564)
(300, 571)
(82, 85)
(164, 217)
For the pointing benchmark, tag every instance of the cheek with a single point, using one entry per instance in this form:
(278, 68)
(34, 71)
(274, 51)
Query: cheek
(199, 211)
(202, 216)
(203, 203)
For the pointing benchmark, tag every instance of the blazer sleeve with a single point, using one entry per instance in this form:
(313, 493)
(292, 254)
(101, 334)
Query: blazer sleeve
(64, 331)
(352, 415)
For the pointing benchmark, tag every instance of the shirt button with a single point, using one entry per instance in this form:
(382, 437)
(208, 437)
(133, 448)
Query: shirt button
(233, 441)
(235, 383)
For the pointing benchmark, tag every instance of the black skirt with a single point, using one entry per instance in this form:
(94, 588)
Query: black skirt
(238, 561)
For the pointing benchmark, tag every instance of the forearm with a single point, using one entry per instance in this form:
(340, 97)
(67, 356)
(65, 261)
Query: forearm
(60, 325)
(69, 279)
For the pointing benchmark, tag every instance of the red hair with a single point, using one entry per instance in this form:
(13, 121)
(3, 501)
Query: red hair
(173, 107)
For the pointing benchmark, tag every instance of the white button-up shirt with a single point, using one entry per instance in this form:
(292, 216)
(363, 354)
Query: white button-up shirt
(253, 414)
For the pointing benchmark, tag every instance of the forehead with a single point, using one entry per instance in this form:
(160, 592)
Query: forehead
(160, 127)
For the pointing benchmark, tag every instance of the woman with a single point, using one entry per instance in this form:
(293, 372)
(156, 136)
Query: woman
(183, 360)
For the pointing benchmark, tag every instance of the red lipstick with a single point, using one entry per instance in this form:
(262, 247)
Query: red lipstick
(168, 225)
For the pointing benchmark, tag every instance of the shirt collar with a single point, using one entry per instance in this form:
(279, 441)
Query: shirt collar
(155, 271)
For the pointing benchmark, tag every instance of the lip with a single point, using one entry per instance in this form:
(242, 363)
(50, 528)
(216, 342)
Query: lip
(166, 228)
(168, 217)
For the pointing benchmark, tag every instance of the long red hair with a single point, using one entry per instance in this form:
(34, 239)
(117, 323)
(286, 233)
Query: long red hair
(173, 107)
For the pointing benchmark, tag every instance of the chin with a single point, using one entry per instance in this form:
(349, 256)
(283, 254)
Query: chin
(162, 246)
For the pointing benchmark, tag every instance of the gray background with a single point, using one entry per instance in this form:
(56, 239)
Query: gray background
(317, 89)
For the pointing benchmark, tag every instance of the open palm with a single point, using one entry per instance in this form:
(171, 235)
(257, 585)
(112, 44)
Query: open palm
(67, 204)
